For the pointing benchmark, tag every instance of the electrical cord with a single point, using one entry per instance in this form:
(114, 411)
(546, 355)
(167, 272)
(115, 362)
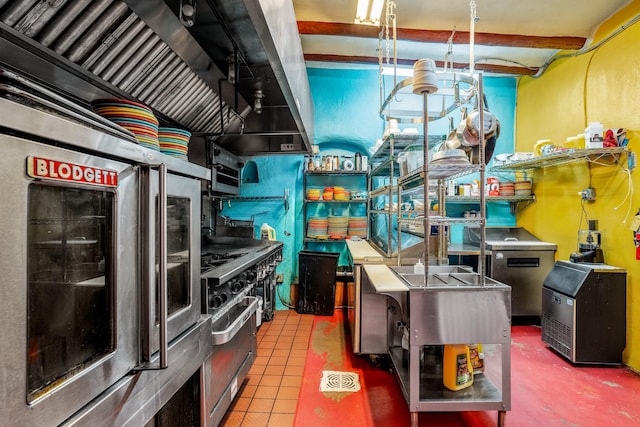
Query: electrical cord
(627, 196)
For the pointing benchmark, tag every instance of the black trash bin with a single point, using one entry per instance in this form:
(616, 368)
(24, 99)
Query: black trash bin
(317, 282)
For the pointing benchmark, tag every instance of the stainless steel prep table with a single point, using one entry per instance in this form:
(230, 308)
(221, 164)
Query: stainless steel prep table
(365, 308)
(452, 308)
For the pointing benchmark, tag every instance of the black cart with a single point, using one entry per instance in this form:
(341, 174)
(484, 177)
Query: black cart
(317, 287)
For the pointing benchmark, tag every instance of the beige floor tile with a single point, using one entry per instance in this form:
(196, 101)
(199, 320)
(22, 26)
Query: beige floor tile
(285, 406)
(280, 353)
(266, 392)
(274, 370)
(260, 405)
(240, 404)
(232, 419)
(278, 361)
(288, 392)
(271, 380)
(294, 371)
(257, 369)
(291, 381)
(256, 419)
(253, 380)
(296, 361)
(298, 346)
(261, 360)
(298, 353)
(248, 390)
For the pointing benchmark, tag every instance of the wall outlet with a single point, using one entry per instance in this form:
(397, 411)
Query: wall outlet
(588, 194)
(286, 147)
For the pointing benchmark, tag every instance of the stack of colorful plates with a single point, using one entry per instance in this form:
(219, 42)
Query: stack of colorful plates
(522, 188)
(358, 226)
(135, 117)
(339, 193)
(506, 188)
(174, 142)
(338, 226)
(317, 227)
(313, 194)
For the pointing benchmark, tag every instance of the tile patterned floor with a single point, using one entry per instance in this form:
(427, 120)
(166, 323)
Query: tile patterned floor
(269, 396)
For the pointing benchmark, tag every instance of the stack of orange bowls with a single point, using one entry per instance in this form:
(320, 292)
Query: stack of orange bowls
(339, 193)
(327, 194)
(174, 142)
(313, 194)
(133, 116)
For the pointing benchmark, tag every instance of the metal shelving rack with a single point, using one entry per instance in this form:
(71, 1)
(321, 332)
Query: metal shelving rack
(593, 155)
(420, 381)
(362, 187)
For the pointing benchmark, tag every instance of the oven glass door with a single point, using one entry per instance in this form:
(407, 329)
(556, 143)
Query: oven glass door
(70, 299)
(183, 258)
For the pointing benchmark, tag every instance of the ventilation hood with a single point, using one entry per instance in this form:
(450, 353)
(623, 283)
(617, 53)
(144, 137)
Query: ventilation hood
(151, 52)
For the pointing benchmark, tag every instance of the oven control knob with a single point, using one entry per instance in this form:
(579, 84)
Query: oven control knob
(251, 276)
(237, 286)
(215, 301)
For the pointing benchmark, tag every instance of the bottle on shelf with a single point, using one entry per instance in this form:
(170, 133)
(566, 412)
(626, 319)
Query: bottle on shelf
(457, 372)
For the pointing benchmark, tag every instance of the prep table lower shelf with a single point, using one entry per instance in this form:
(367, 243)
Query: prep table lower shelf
(482, 395)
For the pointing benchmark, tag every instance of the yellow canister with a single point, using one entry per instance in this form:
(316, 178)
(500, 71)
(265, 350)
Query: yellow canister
(457, 372)
(267, 232)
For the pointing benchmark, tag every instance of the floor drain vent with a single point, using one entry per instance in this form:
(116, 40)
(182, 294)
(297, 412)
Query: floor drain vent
(339, 381)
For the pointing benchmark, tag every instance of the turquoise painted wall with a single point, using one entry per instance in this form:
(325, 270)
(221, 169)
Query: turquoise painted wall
(346, 104)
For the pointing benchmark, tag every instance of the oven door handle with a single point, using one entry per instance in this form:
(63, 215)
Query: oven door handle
(162, 263)
(226, 335)
(161, 272)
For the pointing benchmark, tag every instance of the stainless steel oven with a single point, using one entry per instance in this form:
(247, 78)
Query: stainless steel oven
(70, 327)
(80, 271)
(236, 274)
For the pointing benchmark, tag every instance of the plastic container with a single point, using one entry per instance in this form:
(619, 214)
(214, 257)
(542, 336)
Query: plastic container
(259, 312)
(267, 232)
(415, 158)
(418, 268)
(457, 372)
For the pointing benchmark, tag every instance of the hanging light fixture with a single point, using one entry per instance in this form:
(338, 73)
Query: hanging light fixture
(231, 75)
(257, 101)
(187, 12)
(369, 11)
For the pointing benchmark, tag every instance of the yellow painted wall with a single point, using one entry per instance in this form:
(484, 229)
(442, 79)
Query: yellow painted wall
(600, 86)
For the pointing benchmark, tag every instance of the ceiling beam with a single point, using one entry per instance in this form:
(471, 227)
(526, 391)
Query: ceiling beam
(439, 36)
(493, 68)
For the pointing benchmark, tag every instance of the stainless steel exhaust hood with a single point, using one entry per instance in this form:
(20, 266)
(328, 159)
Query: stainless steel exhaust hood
(142, 50)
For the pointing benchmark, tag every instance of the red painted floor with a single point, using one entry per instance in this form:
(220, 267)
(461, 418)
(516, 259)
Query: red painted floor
(546, 389)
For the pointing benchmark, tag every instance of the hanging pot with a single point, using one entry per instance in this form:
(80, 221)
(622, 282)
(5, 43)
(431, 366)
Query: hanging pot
(489, 148)
(472, 130)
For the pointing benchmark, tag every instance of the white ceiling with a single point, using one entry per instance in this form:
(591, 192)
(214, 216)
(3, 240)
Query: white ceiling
(499, 21)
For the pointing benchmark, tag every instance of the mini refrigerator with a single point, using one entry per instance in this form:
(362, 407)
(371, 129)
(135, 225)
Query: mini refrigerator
(584, 312)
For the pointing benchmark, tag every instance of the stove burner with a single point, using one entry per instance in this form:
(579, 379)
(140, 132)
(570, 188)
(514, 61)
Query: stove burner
(211, 260)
